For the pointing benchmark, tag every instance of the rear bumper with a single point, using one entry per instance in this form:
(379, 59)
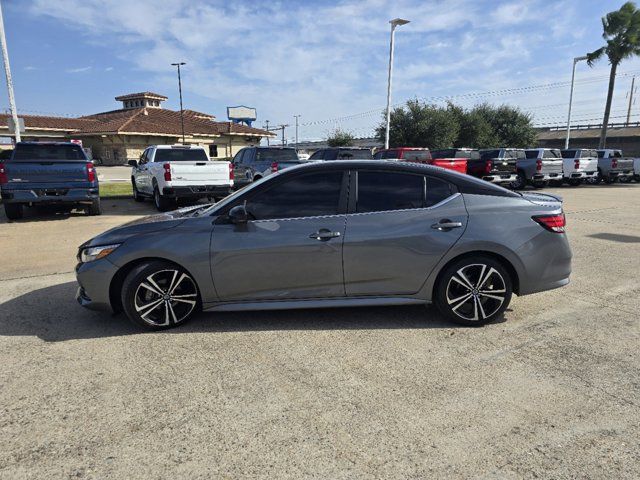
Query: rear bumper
(197, 191)
(497, 177)
(574, 175)
(555, 268)
(545, 177)
(43, 196)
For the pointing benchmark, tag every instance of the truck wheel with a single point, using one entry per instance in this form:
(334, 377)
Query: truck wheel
(574, 182)
(520, 183)
(95, 208)
(162, 203)
(14, 211)
(136, 194)
(540, 184)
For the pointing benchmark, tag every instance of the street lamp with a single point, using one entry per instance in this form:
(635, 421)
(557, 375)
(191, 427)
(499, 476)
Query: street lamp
(179, 64)
(394, 23)
(573, 75)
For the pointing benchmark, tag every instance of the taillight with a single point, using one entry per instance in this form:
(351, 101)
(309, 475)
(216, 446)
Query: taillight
(167, 172)
(553, 223)
(488, 165)
(614, 163)
(538, 165)
(231, 172)
(274, 167)
(91, 172)
(3, 174)
(576, 164)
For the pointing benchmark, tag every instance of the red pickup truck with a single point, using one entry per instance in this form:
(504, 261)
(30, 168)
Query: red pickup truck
(454, 158)
(421, 155)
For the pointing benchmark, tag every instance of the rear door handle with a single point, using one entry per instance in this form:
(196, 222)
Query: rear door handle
(446, 225)
(323, 235)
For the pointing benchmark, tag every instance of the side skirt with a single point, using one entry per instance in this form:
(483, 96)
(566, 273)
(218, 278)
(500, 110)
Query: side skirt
(311, 303)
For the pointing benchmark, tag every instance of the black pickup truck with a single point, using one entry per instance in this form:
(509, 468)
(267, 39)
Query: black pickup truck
(498, 165)
(41, 173)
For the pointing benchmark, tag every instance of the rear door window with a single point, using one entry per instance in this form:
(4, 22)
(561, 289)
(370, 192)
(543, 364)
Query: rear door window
(437, 191)
(384, 191)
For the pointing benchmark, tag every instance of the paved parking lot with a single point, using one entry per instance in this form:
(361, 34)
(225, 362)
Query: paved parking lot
(392, 392)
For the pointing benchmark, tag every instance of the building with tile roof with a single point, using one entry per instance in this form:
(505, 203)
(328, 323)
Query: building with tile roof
(118, 135)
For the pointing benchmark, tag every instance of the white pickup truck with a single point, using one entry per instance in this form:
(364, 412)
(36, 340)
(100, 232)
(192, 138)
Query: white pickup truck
(579, 165)
(167, 173)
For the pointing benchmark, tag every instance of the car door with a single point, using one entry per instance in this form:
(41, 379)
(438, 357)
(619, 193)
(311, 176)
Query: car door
(239, 170)
(143, 180)
(291, 248)
(399, 226)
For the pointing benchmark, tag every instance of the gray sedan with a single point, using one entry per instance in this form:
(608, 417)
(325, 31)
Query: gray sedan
(334, 234)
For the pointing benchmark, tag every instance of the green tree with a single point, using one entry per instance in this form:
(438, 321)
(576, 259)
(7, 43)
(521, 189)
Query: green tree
(476, 130)
(621, 32)
(418, 124)
(511, 126)
(340, 138)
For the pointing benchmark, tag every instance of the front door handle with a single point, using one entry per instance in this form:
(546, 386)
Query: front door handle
(446, 225)
(323, 235)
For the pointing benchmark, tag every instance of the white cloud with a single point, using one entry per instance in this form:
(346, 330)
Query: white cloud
(78, 69)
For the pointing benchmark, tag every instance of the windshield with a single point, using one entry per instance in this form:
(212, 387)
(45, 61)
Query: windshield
(44, 152)
(180, 155)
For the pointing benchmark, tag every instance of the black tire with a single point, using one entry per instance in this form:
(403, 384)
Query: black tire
(521, 182)
(540, 184)
(136, 194)
(451, 286)
(14, 211)
(575, 182)
(95, 208)
(159, 310)
(162, 203)
(256, 178)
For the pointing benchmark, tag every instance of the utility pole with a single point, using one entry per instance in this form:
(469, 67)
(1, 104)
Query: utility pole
(573, 76)
(180, 90)
(633, 81)
(7, 72)
(267, 128)
(394, 23)
(282, 127)
(297, 117)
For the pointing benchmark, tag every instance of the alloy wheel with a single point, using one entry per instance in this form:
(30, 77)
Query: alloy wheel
(165, 297)
(475, 292)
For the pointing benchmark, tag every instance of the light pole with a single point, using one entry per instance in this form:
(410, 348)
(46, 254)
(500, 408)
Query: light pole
(297, 117)
(573, 75)
(394, 23)
(179, 64)
(7, 71)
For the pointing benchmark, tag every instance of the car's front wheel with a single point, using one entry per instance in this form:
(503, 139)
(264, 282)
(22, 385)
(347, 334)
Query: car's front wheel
(159, 295)
(473, 291)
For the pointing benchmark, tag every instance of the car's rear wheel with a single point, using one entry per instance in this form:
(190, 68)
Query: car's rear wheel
(520, 183)
(473, 291)
(162, 203)
(159, 295)
(14, 211)
(95, 208)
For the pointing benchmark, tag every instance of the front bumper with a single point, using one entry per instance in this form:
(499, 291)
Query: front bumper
(197, 191)
(501, 177)
(42, 196)
(546, 177)
(94, 280)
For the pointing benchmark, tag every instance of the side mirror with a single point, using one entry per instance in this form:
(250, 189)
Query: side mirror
(132, 163)
(238, 215)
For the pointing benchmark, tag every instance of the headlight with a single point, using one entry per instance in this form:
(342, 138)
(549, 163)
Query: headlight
(94, 253)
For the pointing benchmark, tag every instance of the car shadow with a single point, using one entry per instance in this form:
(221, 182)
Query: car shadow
(52, 314)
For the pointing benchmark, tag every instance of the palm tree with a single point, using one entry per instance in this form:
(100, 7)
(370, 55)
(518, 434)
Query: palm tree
(621, 31)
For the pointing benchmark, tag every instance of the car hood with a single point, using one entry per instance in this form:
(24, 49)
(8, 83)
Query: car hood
(152, 223)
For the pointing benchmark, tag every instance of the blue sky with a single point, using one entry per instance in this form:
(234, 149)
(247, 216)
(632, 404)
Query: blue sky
(323, 60)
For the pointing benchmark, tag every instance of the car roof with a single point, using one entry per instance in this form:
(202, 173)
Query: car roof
(465, 183)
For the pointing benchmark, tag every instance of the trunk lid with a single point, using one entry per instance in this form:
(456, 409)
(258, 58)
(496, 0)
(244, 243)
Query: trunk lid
(553, 202)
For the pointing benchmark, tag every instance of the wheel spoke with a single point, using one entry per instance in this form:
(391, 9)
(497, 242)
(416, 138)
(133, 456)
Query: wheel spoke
(462, 281)
(182, 277)
(182, 300)
(482, 280)
(481, 308)
(462, 302)
(494, 297)
(152, 282)
(492, 291)
(456, 300)
(152, 289)
(171, 283)
(170, 311)
(188, 295)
